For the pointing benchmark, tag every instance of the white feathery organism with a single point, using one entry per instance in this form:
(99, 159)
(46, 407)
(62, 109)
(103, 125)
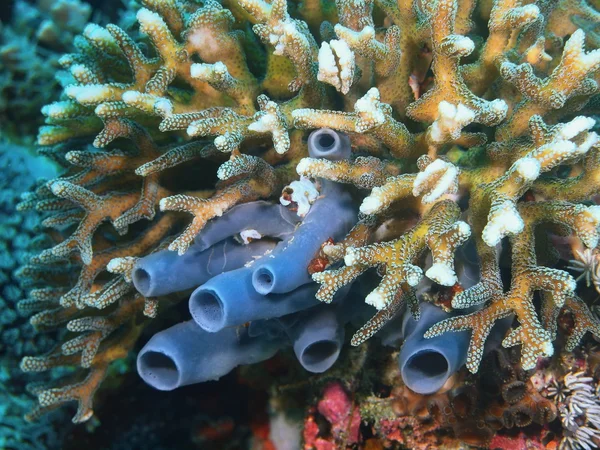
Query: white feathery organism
(587, 261)
(578, 401)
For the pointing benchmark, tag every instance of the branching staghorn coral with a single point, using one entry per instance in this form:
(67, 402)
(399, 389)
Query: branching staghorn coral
(113, 204)
(438, 157)
(506, 171)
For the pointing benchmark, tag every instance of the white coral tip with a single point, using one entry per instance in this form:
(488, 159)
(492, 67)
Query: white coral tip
(450, 121)
(72, 90)
(464, 114)
(370, 205)
(528, 168)
(91, 93)
(131, 97)
(115, 265)
(148, 18)
(438, 178)
(164, 107)
(376, 299)
(96, 33)
(78, 70)
(303, 166)
(463, 229)
(464, 45)
(203, 71)
(531, 11)
(578, 125)
(368, 103)
(500, 107)
(54, 110)
(446, 109)
(346, 64)
(350, 257)
(442, 274)
(504, 219)
(199, 70)
(590, 141)
(414, 278)
(594, 212)
(192, 129)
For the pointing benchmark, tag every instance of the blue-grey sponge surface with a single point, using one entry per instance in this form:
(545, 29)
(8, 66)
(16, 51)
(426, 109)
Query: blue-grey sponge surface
(186, 354)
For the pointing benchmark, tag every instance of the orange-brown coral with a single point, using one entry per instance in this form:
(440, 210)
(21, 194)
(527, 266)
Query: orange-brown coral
(455, 137)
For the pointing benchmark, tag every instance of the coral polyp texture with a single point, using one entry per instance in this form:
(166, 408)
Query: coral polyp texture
(456, 156)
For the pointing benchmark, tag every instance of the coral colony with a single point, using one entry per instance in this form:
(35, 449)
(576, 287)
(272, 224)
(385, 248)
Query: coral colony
(425, 172)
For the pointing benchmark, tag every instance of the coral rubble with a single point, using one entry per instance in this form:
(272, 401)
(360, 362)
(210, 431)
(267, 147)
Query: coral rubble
(455, 163)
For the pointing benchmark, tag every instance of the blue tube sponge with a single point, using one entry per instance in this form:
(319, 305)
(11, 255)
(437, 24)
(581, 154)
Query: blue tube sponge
(331, 216)
(185, 354)
(266, 218)
(213, 250)
(230, 299)
(165, 272)
(329, 144)
(426, 364)
(317, 338)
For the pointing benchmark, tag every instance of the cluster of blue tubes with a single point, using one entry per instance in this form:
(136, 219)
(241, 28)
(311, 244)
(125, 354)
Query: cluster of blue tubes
(265, 285)
(265, 282)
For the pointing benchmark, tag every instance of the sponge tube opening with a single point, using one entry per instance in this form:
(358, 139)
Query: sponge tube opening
(426, 371)
(329, 144)
(207, 310)
(263, 280)
(142, 281)
(319, 356)
(159, 370)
